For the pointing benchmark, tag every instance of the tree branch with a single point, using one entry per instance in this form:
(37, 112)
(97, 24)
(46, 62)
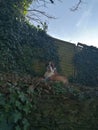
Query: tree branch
(74, 8)
(42, 13)
(36, 14)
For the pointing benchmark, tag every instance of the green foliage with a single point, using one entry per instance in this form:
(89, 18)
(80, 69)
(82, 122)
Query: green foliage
(59, 88)
(15, 108)
(21, 43)
(30, 104)
(86, 63)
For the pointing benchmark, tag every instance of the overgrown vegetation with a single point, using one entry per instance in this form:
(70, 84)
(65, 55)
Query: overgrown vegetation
(22, 44)
(27, 104)
(86, 63)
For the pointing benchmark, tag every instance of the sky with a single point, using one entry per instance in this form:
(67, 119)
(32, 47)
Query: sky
(78, 26)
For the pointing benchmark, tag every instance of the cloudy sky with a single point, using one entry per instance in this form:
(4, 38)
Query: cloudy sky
(78, 26)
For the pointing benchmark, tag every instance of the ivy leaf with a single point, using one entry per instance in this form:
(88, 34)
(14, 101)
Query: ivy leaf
(22, 97)
(18, 104)
(17, 116)
(2, 99)
(25, 123)
(26, 109)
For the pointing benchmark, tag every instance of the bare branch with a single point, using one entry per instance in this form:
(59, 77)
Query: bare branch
(35, 12)
(42, 13)
(74, 8)
(37, 20)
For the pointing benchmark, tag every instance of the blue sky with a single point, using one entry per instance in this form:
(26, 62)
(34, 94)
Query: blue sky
(79, 26)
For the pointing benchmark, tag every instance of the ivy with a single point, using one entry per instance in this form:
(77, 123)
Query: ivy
(86, 64)
(15, 108)
(19, 41)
